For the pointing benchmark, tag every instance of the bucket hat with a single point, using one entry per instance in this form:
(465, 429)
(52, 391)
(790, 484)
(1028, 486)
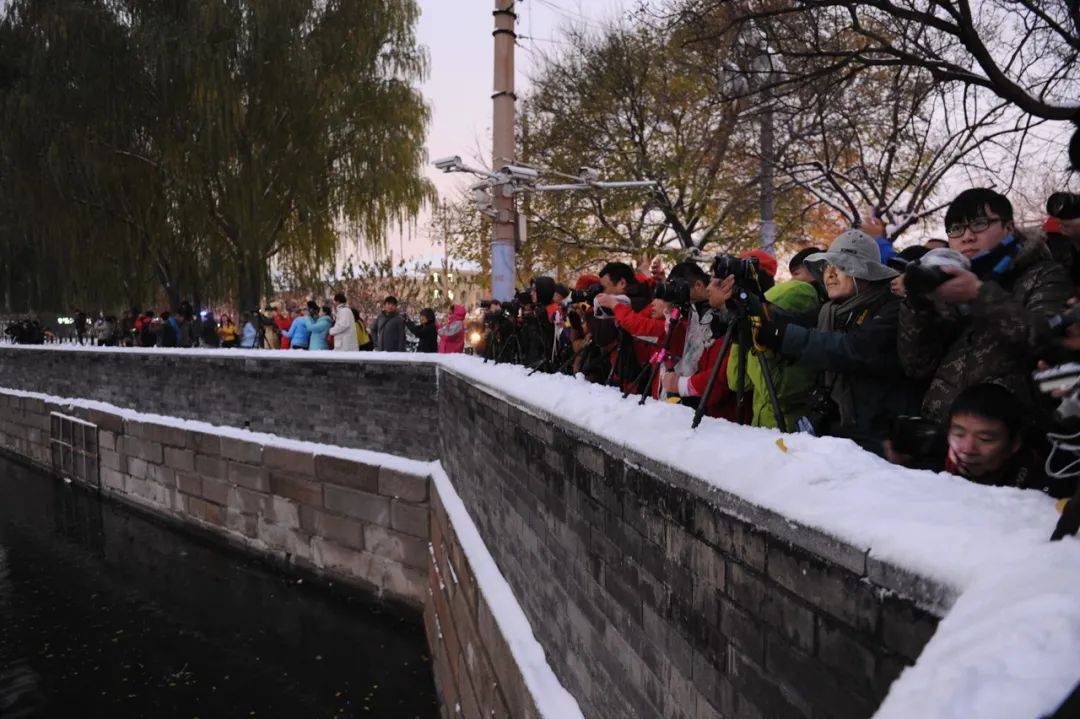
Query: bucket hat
(856, 254)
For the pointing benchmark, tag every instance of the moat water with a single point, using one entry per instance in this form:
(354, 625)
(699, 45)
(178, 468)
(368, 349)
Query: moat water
(105, 612)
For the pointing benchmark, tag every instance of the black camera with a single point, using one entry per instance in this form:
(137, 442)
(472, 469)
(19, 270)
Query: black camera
(487, 304)
(921, 280)
(674, 291)
(919, 439)
(744, 271)
(822, 411)
(926, 274)
(588, 294)
(1063, 205)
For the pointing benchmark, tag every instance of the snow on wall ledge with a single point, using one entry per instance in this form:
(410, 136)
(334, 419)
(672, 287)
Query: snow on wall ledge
(1009, 642)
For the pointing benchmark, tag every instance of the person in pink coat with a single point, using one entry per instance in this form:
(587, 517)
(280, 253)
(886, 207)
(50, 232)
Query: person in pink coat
(452, 333)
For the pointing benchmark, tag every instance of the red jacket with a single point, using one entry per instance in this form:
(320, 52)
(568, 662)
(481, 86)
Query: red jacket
(722, 401)
(283, 323)
(643, 324)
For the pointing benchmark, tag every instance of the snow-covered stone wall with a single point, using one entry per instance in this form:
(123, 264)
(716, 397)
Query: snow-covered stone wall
(718, 572)
(374, 406)
(393, 527)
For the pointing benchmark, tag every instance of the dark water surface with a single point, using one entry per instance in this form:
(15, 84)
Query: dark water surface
(106, 613)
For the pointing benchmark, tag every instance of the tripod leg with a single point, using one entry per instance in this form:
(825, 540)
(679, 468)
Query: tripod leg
(766, 369)
(700, 411)
(740, 391)
(637, 380)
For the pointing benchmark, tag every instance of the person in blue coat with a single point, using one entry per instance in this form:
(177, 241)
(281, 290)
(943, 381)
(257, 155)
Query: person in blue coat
(251, 334)
(320, 330)
(299, 333)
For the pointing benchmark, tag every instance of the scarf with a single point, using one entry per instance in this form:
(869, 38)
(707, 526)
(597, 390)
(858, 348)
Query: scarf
(699, 336)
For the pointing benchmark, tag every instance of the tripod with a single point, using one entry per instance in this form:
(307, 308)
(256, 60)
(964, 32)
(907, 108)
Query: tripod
(740, 324)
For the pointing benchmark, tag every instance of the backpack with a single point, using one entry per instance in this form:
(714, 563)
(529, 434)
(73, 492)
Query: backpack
(362, 336)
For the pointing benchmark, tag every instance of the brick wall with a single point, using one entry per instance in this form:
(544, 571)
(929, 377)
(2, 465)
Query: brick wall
(361, 523)
(652, 593)
(357, 522)
(471, 659)
(652, 597)
(383, 407)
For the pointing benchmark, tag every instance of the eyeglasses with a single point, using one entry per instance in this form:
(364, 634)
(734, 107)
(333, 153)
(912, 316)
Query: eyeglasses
(979, 224)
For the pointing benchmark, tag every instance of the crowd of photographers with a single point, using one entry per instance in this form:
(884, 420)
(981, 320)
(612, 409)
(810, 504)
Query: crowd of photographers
(957, 355)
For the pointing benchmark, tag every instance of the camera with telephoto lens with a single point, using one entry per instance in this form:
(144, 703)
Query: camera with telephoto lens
(1063, 205)
(745, 271)
(588, 294)
(822, 410)
(926, 274)
(677, 292)
(918, 439)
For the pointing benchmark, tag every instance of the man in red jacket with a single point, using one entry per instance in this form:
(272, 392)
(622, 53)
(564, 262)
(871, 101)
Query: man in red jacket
(709, 332)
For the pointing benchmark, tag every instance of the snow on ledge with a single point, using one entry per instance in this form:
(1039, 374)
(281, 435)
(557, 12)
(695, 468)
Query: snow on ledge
(552, 699)
(1009, 646)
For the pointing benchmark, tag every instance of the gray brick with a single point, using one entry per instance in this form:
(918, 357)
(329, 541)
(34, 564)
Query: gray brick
(182, 460)
(341, 530)
(403, 548)
(241, 451)
(347, 473)
(301, 490)
(249, 476)
(361, 505)
(289, 461)
(409, 518)
(410, 487)
(212, 467)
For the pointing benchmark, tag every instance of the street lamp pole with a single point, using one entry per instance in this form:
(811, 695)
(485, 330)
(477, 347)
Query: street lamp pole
(503, 99)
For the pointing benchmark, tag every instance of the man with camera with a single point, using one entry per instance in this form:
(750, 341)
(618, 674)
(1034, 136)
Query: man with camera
(685, 290)
(619, 280)
(987, 321)
(705, 328)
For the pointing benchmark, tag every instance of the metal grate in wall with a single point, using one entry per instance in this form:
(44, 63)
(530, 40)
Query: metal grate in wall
(74, 446)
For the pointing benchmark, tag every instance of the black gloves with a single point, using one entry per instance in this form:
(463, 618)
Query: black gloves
(769, 333)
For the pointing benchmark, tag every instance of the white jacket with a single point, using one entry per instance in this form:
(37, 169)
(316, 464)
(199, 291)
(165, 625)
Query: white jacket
(344, 330)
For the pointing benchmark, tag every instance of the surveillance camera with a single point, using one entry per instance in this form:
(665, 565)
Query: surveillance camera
(449, 164)
(482, 199)
(521, 174)
(589, 174)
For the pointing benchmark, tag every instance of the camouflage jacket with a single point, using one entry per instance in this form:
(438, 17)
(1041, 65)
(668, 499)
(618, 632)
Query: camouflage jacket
(998, 340)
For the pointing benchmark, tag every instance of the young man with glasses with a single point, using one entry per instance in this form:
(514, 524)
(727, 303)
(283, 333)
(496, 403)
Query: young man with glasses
(986, 324)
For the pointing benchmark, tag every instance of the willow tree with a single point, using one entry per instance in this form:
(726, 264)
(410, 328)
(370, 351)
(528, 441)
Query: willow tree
(195, 142)
(302, 119)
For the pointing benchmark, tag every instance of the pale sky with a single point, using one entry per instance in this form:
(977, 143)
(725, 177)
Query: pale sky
(457, 34)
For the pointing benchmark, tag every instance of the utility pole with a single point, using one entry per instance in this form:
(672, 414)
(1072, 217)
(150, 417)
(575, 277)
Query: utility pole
(502, 154)
(768, 177)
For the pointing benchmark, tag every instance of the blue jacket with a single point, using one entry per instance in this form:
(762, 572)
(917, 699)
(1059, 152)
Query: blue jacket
(887, 250)
(300, 332)
(248, 340)
(319, 332)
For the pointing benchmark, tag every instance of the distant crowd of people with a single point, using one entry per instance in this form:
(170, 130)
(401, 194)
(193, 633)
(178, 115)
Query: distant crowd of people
(335, 326)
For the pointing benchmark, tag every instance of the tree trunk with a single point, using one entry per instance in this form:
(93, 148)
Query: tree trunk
(250, 288)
